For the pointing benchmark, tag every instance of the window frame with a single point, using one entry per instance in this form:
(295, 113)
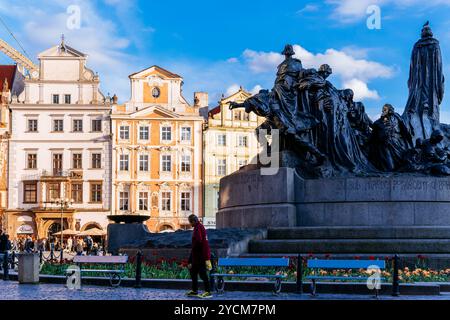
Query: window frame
(98, 196)
(122, 161)
(26, 192)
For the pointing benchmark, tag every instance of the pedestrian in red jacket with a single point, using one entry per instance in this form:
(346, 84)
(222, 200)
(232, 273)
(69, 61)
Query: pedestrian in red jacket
(200, 258)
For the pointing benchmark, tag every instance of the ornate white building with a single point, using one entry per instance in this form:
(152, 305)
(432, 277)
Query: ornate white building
(230, 142)
(60, 147)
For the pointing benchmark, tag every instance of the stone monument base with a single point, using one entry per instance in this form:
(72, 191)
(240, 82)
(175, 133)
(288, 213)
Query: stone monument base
(381, 215)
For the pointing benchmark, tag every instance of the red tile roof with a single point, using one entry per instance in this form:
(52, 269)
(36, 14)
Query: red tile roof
(214, 111)
(7, 72)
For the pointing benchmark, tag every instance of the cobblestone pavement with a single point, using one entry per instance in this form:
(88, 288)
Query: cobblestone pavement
(11, 290)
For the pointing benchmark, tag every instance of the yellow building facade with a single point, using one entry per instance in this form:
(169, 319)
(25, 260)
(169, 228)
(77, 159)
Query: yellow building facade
(157, 151)
(230, 142)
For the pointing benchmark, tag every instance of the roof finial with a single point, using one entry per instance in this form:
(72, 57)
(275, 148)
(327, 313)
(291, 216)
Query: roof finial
(62, 46)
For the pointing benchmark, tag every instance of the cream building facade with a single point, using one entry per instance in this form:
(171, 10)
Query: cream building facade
(157, 151)
(230, 142)
(60, 148)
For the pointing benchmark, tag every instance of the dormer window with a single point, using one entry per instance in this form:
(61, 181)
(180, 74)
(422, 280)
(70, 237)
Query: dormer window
(156, 92)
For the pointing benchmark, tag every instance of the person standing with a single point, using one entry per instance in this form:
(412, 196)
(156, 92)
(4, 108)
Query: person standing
(200, 259)
(69, 244)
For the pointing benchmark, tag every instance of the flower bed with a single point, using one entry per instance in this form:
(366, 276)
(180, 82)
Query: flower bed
(174, 269)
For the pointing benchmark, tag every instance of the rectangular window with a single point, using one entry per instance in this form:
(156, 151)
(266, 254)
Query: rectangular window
(124, 132)
(143, 133)
(143, 201)
(96, 192)
(96, 160)
(53, 191)
(30, 192)
(221, 167)
(123, 162)
(185, 134)
(58, 125)
(77, 161)
(165, 201)
(55, 99)
(77, 125)
(185, 201)
(123, 201)
(166, 134)
(77, 192)
(242, 141)
(67, 98)
(32, 161)
(143, 162)
(166, 163)
(221, 140)
(186, 163)
(96, 125)
(32, 125)
(246, 116)
(237, 115)
(57, 164)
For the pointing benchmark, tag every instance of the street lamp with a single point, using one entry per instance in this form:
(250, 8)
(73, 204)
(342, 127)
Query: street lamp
(63, 204)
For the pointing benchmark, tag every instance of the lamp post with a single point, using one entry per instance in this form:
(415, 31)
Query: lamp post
(63, 204)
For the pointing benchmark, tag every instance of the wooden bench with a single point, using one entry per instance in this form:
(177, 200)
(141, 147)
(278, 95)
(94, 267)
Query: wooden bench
(114, 274)
(249, 262)
(317, 264)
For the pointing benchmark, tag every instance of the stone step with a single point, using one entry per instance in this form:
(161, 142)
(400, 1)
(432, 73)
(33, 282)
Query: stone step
(316, 246)
(359, 233)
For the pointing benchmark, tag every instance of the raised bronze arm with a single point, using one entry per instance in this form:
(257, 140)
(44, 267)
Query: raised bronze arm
(235, 105)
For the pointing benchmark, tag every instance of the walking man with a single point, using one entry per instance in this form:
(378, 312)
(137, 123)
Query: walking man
(200, 259)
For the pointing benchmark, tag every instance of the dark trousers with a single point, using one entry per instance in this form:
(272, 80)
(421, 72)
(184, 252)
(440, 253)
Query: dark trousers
(200, 270)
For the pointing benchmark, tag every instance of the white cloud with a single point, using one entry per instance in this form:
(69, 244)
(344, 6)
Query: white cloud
(232, 89)
(361, 90)
(356, 72)
(308, 8)
(256, 89)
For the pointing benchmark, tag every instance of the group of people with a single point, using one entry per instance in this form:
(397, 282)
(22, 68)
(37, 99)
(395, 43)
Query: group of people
(28, 243)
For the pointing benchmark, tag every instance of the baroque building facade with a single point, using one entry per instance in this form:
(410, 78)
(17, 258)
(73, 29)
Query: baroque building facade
(230, 142)
(11, 84)
(157, 151)
(60, 148)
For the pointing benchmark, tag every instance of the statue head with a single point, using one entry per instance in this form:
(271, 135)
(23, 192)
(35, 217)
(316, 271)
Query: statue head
(348, 95)
(426, 31)
(436, 136)
(288, 50)
(388, 109)
(325, 71)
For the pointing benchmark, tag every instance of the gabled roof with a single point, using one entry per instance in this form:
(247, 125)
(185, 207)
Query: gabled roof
(164, 72)
(152, 109)
(62, 50)
(214, 111)
(241, 94)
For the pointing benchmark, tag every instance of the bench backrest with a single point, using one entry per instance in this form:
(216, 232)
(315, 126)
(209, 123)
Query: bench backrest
(253, 262)
(101, 259)
(345, 264)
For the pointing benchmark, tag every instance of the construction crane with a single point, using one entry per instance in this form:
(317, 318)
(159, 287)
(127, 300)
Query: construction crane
(23, 63)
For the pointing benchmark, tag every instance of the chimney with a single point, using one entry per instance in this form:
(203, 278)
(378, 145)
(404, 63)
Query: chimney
(201, 102)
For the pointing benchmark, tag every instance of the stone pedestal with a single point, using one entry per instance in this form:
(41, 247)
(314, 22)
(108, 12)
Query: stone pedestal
(28, 268)
(120, 234)
(249, 199)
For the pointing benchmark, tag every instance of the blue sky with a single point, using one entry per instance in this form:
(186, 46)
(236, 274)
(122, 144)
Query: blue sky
(219, 45)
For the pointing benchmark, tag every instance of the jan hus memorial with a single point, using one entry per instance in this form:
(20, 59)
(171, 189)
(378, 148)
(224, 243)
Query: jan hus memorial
(347, 183)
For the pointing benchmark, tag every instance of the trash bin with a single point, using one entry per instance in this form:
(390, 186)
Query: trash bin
(28, 268)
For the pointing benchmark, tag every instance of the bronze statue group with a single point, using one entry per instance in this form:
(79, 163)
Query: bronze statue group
(331, 135)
